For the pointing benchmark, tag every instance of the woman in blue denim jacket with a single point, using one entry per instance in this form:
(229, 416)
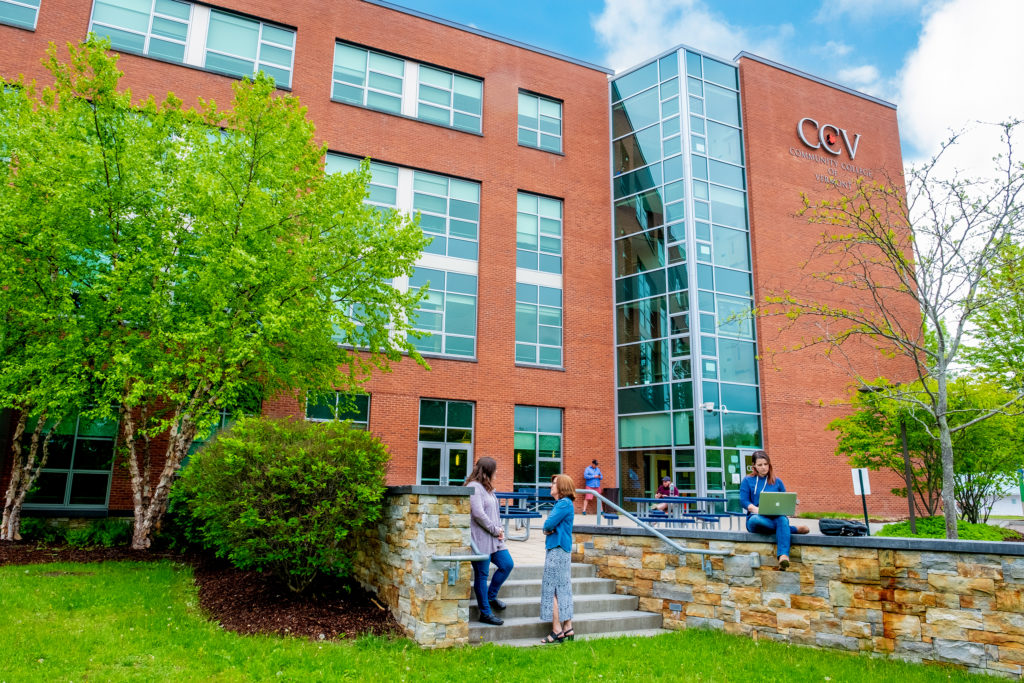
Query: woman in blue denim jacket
(556, 585)
(764, 479)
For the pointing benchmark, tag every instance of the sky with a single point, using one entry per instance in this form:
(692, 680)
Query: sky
(948, 65)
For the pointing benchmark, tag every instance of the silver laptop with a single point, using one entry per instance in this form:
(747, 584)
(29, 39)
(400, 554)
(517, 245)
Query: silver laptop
(773, 503)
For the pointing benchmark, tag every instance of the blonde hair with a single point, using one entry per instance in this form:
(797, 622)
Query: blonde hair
(566, 486)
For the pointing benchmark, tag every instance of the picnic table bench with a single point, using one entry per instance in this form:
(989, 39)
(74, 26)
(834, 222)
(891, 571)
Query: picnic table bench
(518, 510)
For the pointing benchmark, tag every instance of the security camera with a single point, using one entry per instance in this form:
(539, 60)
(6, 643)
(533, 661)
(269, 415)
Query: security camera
(708, 406)
(725, 411)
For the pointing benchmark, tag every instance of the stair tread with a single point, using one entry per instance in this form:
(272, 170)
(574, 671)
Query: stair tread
(582, 618)
(585, 597)
(531, 642)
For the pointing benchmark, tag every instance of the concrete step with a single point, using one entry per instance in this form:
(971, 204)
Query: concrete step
(525, 572)
(582, 604)
(531, 588)
(530, 642)
(524, 628)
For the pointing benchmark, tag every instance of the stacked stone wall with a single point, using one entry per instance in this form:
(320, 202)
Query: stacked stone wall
(393, 559)
(958, 602)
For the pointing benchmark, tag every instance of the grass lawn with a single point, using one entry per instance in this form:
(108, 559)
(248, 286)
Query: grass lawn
(140, 621)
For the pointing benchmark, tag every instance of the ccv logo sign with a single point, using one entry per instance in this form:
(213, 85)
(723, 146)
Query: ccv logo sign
(826, 137)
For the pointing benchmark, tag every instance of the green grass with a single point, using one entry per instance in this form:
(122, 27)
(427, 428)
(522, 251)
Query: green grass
(140, 621)
(935, 527)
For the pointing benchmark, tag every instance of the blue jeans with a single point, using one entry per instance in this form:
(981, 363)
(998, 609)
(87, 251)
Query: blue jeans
(484, 594)
(774, 524)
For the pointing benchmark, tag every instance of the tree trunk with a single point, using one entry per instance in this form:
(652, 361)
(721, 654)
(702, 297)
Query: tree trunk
(948, 480)
(149, 514)
(24, 473)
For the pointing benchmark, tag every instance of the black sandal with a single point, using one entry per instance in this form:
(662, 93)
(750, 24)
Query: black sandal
(569, 634)
(552, 638)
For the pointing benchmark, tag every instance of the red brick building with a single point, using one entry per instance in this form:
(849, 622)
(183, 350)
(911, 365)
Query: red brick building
(538, 262)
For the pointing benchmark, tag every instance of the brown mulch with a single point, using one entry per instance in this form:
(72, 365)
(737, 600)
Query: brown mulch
(244, 602)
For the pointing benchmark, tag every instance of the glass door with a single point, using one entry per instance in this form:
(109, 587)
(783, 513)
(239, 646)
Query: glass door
(444, 464)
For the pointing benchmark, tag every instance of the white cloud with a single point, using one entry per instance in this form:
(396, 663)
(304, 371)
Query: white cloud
(632, 31)
(965, 68)
(832, 49)
(862, 10)
(858, 76)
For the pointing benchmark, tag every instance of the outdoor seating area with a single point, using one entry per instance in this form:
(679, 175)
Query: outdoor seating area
(519, 508)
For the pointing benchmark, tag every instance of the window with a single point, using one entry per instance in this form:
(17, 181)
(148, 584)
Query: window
(20, 13)
(340, 406)
(445, 449)
(174, 31)
(449, 212)
(368, 79)
(77, 472)
(539, 233)
(158, 28)
(538, 324)
(540, 122)
(449, 99)
(240, 46)
(383, 186)
(447, 313)
(538, 445)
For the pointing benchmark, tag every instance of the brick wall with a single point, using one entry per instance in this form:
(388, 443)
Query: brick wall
(959, 602)
(802, 391)
(584, 390)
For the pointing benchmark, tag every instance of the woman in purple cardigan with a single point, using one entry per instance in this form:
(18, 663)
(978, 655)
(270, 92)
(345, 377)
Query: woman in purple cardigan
(489, 537)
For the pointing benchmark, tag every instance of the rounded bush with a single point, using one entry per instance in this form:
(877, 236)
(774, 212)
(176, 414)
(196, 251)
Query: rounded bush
(935, 527)
(282, 496)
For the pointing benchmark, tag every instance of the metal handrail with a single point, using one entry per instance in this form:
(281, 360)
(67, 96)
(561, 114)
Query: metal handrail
(705, 562)
(454, 560)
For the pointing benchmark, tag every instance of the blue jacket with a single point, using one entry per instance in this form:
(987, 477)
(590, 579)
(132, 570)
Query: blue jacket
(592, 477)
(560, 522)
(753, 486)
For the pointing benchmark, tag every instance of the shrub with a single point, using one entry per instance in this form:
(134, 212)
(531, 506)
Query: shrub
(106, 533)
(282, 496)
(42, 530)
(935, 527)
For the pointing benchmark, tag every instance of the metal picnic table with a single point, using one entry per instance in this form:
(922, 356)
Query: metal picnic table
(520, 514)
(679, 509)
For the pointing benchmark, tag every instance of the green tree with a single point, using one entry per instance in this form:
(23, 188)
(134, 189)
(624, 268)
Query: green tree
(987, 451)
(997, 344)
(220, 258)
(915, 263)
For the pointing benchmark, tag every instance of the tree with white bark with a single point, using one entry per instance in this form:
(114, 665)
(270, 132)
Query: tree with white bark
(219, 261)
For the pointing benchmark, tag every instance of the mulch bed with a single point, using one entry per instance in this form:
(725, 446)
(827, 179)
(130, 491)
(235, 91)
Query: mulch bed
(244, 602)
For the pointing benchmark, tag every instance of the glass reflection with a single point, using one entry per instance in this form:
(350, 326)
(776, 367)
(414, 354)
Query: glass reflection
(641, 320)
(641, 252)
(645, 363)
(638, 213)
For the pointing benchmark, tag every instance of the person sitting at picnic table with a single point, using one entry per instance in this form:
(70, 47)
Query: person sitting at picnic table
(489, 537)
(764, 479)
(666, 490)
(592, 480)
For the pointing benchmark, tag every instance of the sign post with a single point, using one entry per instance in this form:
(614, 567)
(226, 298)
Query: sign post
(862, 486)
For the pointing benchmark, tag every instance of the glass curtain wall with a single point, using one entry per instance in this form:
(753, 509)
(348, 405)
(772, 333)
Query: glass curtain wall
(688, 398)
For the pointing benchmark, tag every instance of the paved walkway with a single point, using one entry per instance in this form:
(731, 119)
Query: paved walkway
(531, 552)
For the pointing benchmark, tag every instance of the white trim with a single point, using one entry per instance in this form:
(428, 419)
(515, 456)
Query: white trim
(198, 30)
(449, 263)
(535, 277)
(410, 90)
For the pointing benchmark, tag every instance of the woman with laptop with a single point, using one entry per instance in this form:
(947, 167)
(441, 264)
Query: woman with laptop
(767, 505)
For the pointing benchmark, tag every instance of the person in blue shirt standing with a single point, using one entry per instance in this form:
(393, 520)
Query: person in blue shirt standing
(592, 480)
(556, 584)
(764, 479)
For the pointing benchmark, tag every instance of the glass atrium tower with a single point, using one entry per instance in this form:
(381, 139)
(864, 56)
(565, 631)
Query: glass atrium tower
(687, 401)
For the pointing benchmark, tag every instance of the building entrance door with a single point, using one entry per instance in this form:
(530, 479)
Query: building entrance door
(444, 464)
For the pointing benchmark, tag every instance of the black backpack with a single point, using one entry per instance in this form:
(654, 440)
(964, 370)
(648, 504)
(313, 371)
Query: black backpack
(842, 527)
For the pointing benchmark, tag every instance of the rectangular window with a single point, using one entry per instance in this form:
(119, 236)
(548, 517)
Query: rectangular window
(449, 99)
(20, 13)
(158, 28)
(383, 187)
(538, 445)
(77, 472)
(447, 313)
(445, 442)
(538, 325)
(367, 78)
(240, 46)
(339, 405)
(539, 233)
(540, 122)
(449, 212)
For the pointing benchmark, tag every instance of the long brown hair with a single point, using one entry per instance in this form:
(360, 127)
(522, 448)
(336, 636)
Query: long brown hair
(566, 486)
(761, 455)
(483, 473)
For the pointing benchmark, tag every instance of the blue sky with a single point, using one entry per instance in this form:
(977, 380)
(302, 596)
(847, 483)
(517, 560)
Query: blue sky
(942, 62)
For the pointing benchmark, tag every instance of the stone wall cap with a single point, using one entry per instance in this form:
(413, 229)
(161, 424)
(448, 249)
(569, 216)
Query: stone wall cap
(883, 543)
(429, 490)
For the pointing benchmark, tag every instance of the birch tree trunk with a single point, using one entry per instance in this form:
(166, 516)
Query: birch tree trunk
(24, 473)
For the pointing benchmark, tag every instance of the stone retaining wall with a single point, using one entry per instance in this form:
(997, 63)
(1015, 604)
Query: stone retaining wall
(393, 560)
(960, 602)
